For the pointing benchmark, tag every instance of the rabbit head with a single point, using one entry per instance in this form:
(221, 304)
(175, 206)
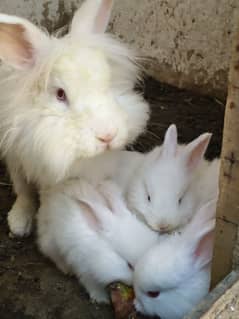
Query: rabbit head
(67, 98)
(158, 192)
(175, 275)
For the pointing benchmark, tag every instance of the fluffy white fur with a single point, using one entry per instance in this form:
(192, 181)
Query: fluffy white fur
(172, 182)
(69, 234)
(177, 269)
(90, 232)
(163, 188)
(128, 236)
(80, 227)
(120, 166)
(44, 139)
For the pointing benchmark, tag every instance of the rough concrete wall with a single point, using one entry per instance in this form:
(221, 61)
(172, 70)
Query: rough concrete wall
(188, 41)
(50, 14)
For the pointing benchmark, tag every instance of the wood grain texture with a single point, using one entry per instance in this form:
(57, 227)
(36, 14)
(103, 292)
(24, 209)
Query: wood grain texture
(228, 203)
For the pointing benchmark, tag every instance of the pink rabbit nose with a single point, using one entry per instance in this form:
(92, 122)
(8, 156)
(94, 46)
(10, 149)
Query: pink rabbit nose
(107, 138)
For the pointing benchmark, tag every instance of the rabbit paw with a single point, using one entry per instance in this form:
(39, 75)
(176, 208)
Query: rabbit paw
(20, 220)
(99, 297)
(63, 267)
(138, 306)
(97, 294)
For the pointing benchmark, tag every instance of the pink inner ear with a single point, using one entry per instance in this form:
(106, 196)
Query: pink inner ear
(14, 47)
(196, 154)
(89, 216)
(204, 250)
(103, 16)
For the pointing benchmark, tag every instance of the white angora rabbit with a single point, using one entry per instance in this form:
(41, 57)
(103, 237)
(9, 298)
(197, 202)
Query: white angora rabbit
(61, 100)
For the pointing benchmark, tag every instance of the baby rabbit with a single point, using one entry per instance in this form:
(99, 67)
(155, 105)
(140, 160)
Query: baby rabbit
(62, 100)
(69, 234)
(172, 182)
(128, 236)
(174, 275)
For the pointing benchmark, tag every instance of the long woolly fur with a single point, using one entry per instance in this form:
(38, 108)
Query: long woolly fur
(20, 132)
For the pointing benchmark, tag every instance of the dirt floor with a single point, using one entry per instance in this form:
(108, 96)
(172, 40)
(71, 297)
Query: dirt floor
(30, 285)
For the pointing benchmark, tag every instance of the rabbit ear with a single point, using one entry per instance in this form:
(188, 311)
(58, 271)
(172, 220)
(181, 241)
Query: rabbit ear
(93, 16)
(204, 251)
(195, 151)
(88, 196)
(201, 231)
(20, 41)
(96, 211)
(88, 215)
(113, 195)
(154, 155)
(170, 141)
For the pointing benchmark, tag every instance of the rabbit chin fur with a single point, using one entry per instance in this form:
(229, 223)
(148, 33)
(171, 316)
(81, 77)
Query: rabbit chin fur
(72, 242)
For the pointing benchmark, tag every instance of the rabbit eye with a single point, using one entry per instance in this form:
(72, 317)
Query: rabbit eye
(182, 197)
(61, 95)
(130, 266)
(146, 190)
(153, 294)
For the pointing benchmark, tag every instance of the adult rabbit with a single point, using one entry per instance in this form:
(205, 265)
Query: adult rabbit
(62, 100)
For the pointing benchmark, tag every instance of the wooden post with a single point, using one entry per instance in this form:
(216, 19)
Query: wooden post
(228, 203)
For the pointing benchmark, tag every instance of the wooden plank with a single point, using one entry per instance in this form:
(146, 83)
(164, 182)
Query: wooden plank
(228, 203)
(220, 303)
(227, 306)
(225, 239)
(228, 208)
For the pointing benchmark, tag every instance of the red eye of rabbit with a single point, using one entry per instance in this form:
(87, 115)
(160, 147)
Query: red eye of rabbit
(153, 294)
(61, 95)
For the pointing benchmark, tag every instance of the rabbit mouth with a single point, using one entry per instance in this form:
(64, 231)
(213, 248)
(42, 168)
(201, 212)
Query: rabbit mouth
(165, 229)
(138, 304)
